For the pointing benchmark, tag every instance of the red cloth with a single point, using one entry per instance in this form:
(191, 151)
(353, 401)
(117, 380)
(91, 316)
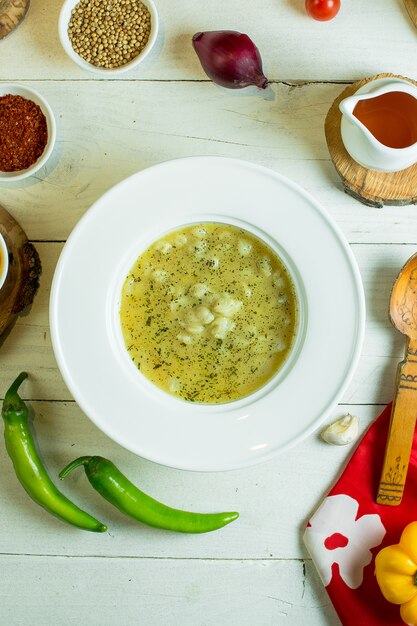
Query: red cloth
(365, 605)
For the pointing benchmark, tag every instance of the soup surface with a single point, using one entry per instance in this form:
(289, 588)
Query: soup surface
(209, 313)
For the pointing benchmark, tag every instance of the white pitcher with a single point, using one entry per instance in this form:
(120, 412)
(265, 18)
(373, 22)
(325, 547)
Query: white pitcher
(361, 144)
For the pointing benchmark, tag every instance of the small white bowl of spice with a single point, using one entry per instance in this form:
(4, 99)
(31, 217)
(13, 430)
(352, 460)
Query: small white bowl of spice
(108, 36)
(27, 132)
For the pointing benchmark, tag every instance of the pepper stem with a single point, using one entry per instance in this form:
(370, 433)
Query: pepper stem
(82, 460)
(12, 400)
(11, 393)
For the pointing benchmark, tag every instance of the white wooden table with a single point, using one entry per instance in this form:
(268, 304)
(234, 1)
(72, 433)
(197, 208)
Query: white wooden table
(255, 572)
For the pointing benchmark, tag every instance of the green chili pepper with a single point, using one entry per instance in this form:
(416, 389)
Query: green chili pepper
(29, 468)
(119, 491)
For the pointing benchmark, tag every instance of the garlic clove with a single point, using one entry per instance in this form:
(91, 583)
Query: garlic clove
(343, 431)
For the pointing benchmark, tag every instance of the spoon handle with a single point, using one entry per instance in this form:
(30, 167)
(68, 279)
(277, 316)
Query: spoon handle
(401, 431)
(411, 7)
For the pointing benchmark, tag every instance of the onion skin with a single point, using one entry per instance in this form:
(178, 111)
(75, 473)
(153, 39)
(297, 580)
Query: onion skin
(230, 59)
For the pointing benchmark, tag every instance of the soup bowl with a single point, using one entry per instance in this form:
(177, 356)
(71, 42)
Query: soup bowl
(119, 342)
(89, 345)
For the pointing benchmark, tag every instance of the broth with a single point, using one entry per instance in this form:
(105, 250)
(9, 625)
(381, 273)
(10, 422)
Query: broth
(209, 313)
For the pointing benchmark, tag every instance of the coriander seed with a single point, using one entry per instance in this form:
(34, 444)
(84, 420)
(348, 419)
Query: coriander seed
(109, 33)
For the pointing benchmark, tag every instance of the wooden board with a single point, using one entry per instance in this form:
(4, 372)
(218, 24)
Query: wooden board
(22, 279)
(12, 12)
(366, 37)
(411, 6)
(274, 499)
(99, 143)
(258, 573)
(368, 186)
(158, 592)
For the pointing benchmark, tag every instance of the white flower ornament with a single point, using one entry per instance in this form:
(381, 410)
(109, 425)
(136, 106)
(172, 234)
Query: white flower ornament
(335, 535)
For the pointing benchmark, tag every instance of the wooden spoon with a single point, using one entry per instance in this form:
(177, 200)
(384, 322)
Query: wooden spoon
(411, 6)
(403, 314)
(12, 13)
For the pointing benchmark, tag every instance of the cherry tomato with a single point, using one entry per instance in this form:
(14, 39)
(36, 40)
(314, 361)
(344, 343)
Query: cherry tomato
(322, 10)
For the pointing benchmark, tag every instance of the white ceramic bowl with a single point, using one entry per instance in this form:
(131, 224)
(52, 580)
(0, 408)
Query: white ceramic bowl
(85, 321)
(4, 264)
(64, 18)
(30, 94)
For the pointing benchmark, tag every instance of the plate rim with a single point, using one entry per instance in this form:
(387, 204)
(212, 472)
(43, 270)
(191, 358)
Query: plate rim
(356, 347)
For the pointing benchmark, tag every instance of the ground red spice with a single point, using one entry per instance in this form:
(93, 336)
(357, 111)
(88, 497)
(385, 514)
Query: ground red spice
(23, 133)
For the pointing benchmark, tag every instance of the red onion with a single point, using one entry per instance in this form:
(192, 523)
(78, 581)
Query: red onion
(230, 59)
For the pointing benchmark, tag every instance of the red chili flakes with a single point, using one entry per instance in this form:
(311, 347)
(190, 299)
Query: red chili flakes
(23, 133)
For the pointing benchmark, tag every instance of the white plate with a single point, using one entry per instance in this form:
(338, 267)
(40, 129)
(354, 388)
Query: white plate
(86, 330)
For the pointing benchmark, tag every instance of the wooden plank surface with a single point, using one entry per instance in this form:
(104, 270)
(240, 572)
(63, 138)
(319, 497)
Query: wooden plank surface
(293, 46)
(101, 142)
(267, 528)
(169, 592)
(255, 571)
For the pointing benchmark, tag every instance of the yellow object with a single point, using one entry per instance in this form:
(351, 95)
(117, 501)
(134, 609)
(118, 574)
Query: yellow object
(396, 573)
(209, 313)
